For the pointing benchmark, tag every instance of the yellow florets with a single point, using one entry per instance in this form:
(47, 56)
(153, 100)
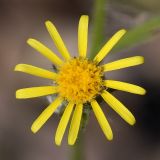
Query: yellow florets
(79, 80)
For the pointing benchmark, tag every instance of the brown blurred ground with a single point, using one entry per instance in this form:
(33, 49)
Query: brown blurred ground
(21, 20)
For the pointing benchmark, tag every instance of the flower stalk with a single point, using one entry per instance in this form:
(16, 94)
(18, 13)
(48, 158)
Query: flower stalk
(98, 21)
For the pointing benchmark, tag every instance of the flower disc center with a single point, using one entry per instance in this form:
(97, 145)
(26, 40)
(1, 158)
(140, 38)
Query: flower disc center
(79, 80)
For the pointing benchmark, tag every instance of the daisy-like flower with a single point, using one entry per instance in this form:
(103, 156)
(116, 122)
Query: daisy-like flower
(78, 81)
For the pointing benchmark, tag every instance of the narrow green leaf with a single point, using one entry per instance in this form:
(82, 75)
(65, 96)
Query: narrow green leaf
(138, 34)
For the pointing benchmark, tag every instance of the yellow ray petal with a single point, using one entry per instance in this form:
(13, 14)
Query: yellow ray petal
(35, 92)
(75, 124)
(46, 52)
(109, 45)
(102, 120)
(83, 35)
(123, 63)
(118, 107)
(26, 68)
(45, 115)
(63, 123)
(57, 39)
(123, 86)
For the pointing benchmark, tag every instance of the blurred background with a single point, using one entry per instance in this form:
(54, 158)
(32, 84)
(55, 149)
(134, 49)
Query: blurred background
(22, 19)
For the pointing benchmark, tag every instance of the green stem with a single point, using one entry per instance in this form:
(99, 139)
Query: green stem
(97, 40)
(78, 148)
(98, 23)
(99, 14)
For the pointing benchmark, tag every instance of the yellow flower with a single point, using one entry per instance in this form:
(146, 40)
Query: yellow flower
(78, 81)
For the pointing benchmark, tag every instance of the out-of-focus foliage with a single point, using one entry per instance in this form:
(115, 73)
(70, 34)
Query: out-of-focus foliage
(139, 34)
(98, 23)
(149, 5)
(136, 35)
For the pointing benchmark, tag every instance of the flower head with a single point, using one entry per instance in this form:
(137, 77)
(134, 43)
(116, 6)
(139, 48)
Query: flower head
(78, 81)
